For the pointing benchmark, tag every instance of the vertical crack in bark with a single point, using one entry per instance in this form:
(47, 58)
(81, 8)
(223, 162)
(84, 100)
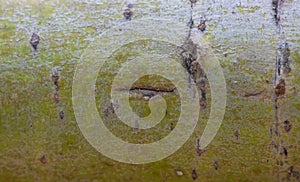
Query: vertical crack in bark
(276, 8)
(190, 52)
(55, 96)
(282, 70)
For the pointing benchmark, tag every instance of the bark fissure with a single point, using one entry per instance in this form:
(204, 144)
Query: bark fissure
(282, 69)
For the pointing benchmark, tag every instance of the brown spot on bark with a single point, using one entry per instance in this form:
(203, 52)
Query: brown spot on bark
(280, 88)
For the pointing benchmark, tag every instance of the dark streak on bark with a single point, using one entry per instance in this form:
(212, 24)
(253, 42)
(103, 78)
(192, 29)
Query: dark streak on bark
(254, 94)
(190, 53)
(152, 90)
(282, 70)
